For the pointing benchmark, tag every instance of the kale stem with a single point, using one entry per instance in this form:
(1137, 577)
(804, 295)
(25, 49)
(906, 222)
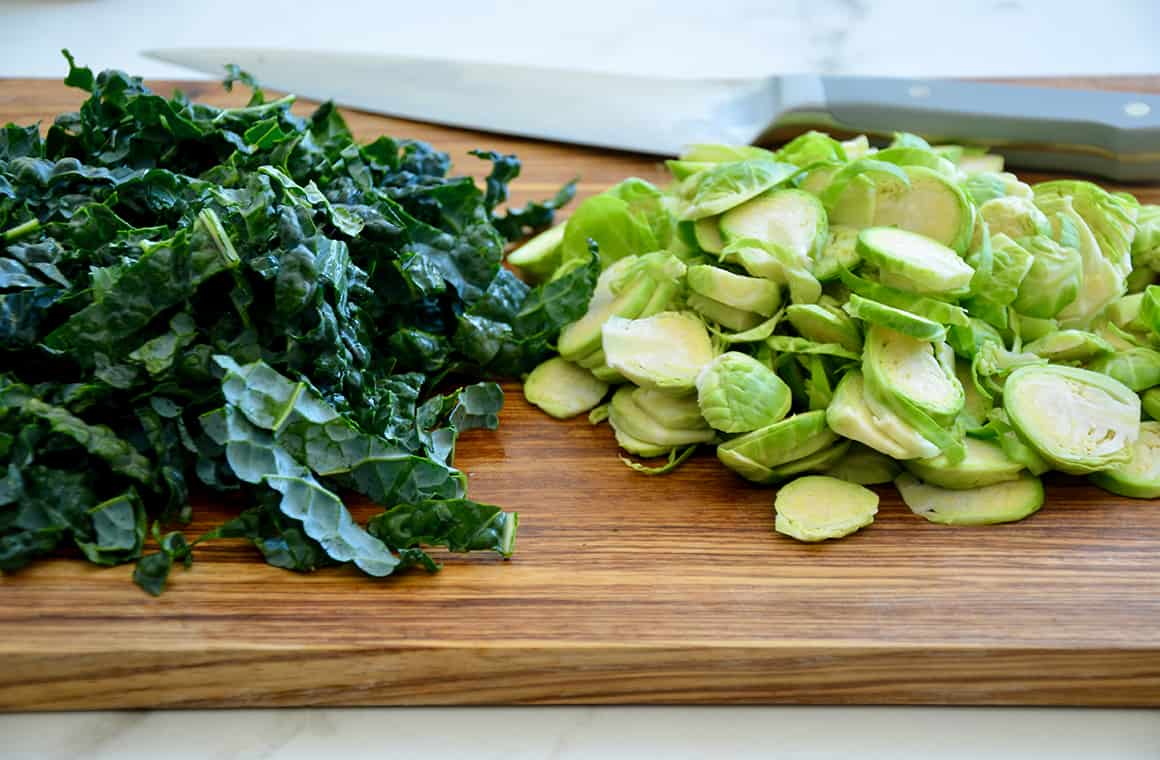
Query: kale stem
(20, 230)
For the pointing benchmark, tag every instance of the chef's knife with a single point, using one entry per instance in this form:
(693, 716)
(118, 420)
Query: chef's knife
(1113, 134)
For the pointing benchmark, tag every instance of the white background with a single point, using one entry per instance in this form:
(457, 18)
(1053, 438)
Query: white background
(717, 37)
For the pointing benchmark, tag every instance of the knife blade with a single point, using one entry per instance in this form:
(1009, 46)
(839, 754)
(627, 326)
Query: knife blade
(1111, 134)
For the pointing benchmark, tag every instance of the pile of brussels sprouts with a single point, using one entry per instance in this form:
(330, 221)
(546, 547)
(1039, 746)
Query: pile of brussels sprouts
(846, 316)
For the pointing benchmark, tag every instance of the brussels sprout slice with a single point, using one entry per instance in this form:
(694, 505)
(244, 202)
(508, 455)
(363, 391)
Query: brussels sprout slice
(708, 234)
(896, 319)
(925, 157)
(1069, 346)
(819, 176)
(819, 461)
(856, 147)
(738, 394)
(825, 324)
(1125, 313)
(731, 184)
(583, 337)
(682, 170)
(929, 308)
(539, 257)
(1111, 219)
(1139, 477)
(562, 389)
(608, 375)
(852, 205)
(931, 206)
(746, 467)
(664, 351)
(792, 438)
(791, 219)
(626, 415)
(1148, 317)
(810, 148)
(985, 464)
(1014, 217)
(817, 507)
(980, 163)
(850, 416)
(864, 466)
(753, 294)
(723, 314)
(1101, 282)
(638, 447)
(1032, 328)
(1150, 402)
(1079, 421)
(789, 344)
(1053, 280)
(1008, 501)
(916, 377)
(840, 252)
(676, 412)
(929, 265)
(1137, 368)
(773, 262)
(976, 406)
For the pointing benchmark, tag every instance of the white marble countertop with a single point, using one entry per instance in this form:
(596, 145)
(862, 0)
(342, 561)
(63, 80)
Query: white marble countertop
(682, 37)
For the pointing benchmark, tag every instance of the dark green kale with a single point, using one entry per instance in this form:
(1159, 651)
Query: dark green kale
(247, 300)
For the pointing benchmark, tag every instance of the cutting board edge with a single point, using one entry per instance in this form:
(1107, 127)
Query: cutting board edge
(485, 673)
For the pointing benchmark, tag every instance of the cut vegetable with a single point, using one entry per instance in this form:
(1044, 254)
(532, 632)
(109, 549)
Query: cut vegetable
(792, 438)
(1009, 501)
(922, 262)
(738, 394)
(539, 257)
(1139, 477)
(817, 507)
(563, 389)
(1078, 421)
(901, 321)
(664, 351)
(985, 464)
(864, 466)
(753, 294)
(791, 219)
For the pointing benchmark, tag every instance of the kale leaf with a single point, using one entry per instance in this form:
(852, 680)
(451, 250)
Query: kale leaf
(248, 300)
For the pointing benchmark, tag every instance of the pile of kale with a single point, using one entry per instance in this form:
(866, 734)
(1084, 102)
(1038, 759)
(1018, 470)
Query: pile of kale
(248, 301)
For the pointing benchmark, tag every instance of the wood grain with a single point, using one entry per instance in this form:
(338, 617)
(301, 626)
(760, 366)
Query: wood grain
(623, 589)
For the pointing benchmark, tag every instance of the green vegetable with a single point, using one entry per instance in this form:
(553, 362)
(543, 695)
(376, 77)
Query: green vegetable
(1139, 477)
(785, 441)
(738, 394)
(854, 413)
(792, 220)
(541, 256)
(730, 184)
(864, 466)
(562, 389)
(1150, 402)
(1008, 501)
(627, 416)
(930, 205)
(664, 351)
(984, 464)
(247, 300)
(921, 262)
(1078, 421)
(839, 254)
(822, 323)
(817, 507)
(752, 294)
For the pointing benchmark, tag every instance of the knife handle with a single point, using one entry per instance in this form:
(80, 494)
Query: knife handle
(1113, 134)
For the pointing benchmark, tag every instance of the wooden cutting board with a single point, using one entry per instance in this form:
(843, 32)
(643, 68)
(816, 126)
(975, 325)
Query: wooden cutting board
(624, 588)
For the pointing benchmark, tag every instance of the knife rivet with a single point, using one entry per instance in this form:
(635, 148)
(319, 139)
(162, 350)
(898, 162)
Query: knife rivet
(919, 91)
(1136, 108)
